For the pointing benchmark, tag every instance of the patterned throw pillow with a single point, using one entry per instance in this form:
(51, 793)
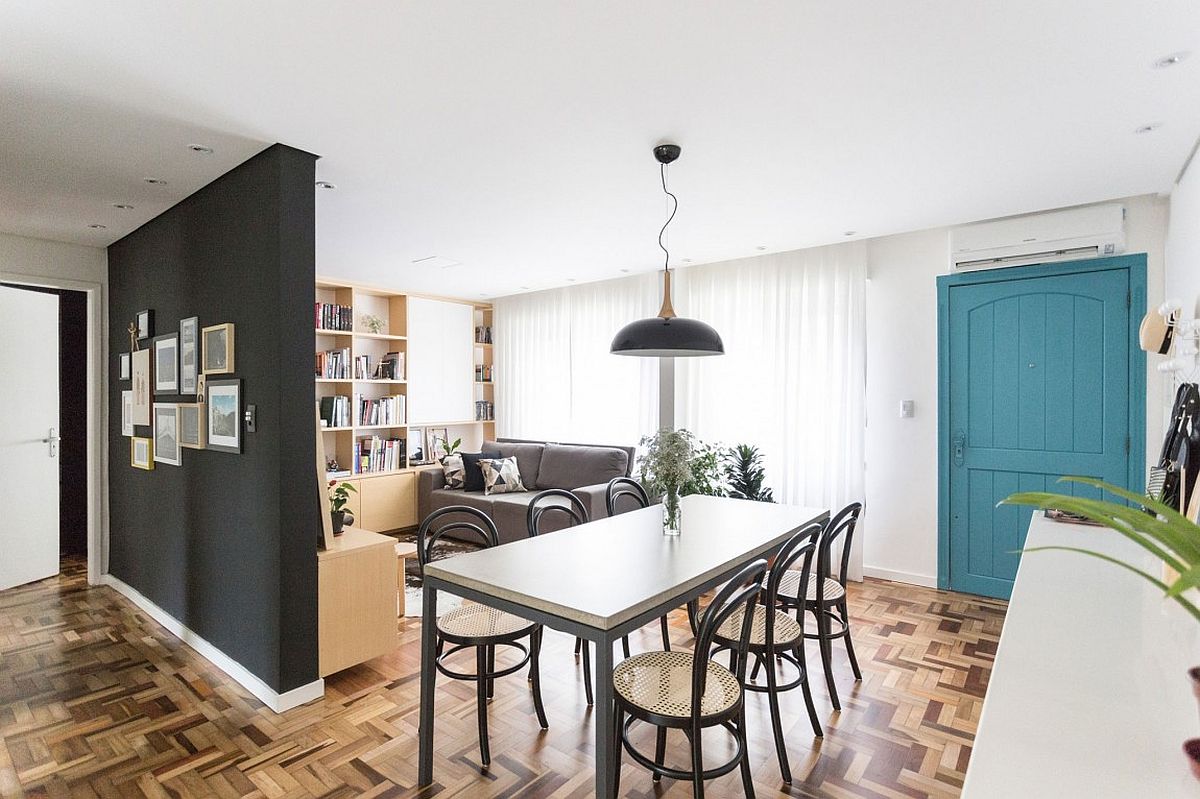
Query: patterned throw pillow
(500, 475)
(455, 474)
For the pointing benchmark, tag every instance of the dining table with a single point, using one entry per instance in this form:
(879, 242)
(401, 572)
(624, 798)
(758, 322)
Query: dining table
(602, 580)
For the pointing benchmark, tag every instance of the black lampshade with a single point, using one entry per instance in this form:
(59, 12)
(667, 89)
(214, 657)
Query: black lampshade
(667, 338)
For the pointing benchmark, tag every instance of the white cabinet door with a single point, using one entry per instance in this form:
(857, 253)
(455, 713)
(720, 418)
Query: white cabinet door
(441, 361)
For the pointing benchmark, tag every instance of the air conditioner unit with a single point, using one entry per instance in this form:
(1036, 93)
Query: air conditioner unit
(1089, 232)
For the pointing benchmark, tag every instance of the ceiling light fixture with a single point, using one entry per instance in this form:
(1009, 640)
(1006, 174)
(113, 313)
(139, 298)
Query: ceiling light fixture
(325, 184)
(849, 232)
(200, 148)
(96, 226)
(1171, 60)
(667, 335)
(760, 248)
(1148, 128)
(154, 181)
(123, 206)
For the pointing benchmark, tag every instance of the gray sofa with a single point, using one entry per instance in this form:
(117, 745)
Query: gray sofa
(582, 469)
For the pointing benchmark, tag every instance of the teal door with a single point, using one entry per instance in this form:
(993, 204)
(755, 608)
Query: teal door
(1037, 367)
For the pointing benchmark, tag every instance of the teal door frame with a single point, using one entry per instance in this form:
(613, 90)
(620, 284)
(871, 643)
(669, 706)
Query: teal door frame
(1135, 265)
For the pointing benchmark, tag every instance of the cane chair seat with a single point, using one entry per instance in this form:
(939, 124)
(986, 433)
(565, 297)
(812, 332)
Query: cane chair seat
(787, 629)
(472, 620)
(661, 683)
(789, 586)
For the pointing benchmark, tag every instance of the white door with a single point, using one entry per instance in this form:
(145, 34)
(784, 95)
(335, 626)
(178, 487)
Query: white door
(28, 435)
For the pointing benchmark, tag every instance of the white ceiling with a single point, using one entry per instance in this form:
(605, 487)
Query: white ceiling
(515, 137)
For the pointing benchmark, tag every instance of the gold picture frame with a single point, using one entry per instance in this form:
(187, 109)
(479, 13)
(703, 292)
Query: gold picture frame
(141, 453)
(217, 349)
(192, 420)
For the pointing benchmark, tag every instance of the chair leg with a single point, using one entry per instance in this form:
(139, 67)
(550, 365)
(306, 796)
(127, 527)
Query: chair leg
(747, 778)
(618, 720)
(578, 645)
(849, 643)
(587, 672)
(660, 750)
(625, 646)
(535, 674)
(754, 671)
(485, 756)
(666, 634)
(827, 656)
(697, 764)
(785, 769)
(693, 611)
(491, 683)
(808, 698)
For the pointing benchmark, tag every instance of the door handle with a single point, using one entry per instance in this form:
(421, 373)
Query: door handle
(52, 440)
(959, 445)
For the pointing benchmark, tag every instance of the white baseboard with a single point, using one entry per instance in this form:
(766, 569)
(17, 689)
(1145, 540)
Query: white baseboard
(926, 580)
(236, 671)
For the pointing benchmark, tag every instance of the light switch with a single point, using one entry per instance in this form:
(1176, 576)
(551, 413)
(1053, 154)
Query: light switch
(251, 418)
(907, 409)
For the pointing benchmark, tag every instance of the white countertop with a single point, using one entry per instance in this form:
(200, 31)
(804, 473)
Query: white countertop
(1090, 695)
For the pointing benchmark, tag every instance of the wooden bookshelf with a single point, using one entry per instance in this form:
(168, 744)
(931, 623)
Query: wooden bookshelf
(485, 386)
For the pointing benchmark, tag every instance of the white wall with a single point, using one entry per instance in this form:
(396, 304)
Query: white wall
(50, 263)
(900, 523)
(1183, 243)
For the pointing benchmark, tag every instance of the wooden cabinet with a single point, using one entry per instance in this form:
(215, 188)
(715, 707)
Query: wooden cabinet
(356, 599)
(388, 502)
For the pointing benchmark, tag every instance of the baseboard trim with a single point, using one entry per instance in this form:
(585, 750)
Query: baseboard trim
(236, 671)
(926, 580)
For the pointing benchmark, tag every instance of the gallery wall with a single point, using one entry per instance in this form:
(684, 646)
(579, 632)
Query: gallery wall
(225, 543)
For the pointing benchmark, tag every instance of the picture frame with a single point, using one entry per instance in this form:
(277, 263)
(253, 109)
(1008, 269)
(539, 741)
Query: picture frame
(124, 366)
(141, 453)
(166, 434)
(145, 324)
(127, 413)
(143, 387)
(166, 364)
(436, 439)
(192, 419)
(223, 403)
(217, 349)
(189, 354)
(416, 446)
(325, 539)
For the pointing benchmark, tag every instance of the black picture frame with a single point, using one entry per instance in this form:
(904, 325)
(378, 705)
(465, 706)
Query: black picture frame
(145, 324)
(124, 366)
(165, 354)
(223, 415)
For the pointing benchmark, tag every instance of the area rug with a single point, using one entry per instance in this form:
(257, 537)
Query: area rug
(446, 548)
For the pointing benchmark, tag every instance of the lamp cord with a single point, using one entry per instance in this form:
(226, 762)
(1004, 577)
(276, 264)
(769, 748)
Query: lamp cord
(662, 168)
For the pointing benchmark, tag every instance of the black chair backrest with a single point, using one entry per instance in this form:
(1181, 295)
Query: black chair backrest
(476, 524)
(620, 488)
(548, 501)
(841, 525)
(740, 592)
(801, 545)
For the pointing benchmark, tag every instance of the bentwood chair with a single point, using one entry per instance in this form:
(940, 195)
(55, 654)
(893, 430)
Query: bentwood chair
(479, 627)
(557, 501)
(774, 634)
(628, 493)
(690, 691)
(825, 595)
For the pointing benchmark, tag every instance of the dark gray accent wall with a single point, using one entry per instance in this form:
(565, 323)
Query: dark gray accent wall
(227, 543)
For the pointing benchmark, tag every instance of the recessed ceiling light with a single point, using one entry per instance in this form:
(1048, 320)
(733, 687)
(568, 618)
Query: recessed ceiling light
(325, 184)
(686, 261)
(200, 148)
(1148, 127)
(1171, 60)
(625, 270)
(760, 248)
(849, 232)
(570, 280)
(123, 206)
(523, 288)
(95, 226)
(155, 181)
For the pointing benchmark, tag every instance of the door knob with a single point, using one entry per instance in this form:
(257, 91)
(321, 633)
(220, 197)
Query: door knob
(52, 440)
(959, 445)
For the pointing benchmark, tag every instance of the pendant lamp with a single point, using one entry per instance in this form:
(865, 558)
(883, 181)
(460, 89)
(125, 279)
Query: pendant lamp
(667, 335)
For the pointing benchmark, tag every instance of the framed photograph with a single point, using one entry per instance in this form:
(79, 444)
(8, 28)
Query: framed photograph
(436, 439)
(191, 425)
(166, 364)
(141, 453)
(217, 349)
(224, 403)
(127, 413)
(189, 354)
(142, 387)
(126, 366)
(416, 446)
(166, 433)
(145, 325)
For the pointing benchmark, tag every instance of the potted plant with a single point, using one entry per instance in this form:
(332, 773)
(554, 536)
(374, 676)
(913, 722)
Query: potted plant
(1159, 529)
(673, 461)
(339, 495)
(742, 466)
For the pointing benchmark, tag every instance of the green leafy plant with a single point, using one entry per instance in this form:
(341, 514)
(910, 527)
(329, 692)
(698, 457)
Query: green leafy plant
(339, 495)
(744, 474)
(674, 463)
(706, 477)
(451, 446)
(1165, 533)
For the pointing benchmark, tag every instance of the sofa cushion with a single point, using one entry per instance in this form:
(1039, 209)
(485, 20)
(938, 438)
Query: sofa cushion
(500, 476)
(472, 474)
(444, 497)
(453, 471)
(529, 457)
(569, 466)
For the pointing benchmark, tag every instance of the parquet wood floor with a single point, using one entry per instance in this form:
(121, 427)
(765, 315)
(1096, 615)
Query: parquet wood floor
(97, 700)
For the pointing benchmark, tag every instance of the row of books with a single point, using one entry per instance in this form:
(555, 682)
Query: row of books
(484, 372)
(333, 364)
(334, 411)
(389, 367)
(483, 334)
(377, 454)
(485, 411)
(334, 317)
(386, 410)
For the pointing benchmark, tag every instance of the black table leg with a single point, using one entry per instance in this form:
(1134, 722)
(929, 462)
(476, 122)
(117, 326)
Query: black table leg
(606, 786)
(428, 683)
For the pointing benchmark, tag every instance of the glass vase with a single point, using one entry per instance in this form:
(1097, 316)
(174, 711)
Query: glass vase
(672, 512)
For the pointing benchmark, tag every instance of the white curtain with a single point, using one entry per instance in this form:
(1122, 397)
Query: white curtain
(555, 378)
(792, 381)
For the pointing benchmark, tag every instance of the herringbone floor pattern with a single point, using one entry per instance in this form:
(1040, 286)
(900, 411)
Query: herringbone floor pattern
(96, 700)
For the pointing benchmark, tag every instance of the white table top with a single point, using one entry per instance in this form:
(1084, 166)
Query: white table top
(606, 572)
(1090, 695)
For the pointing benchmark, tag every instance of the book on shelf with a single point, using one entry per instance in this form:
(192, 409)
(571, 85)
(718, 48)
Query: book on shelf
(337, 474)
(391, 367)
(484, 373)
(485, 411)
(382, 411)
(334, 411)
(376, 454)
(483, 334)
(334, 317)
(333, 364)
